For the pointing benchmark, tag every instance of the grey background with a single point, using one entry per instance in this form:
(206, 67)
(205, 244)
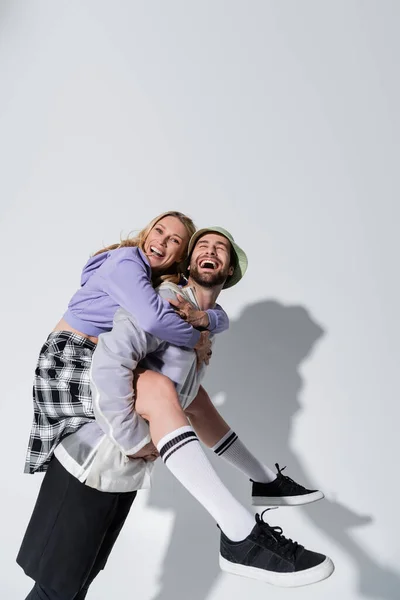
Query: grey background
(280, 122)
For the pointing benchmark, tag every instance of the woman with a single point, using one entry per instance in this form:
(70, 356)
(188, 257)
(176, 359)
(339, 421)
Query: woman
(120, 275)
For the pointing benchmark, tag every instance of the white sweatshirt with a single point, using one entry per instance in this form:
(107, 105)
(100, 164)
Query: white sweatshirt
(97, 453)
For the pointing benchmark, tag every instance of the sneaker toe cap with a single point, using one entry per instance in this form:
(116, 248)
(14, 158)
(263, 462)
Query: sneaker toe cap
(308, 560)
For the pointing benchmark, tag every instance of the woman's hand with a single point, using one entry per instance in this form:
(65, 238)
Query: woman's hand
(203, 349)
(148, 452)
(197, 318)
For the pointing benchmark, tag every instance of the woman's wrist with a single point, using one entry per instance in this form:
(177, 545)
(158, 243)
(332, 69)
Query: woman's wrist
(204, 320)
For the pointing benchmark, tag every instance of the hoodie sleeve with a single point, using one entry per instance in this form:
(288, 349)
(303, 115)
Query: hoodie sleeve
(126, 278)
(219, 320)
(117, 355)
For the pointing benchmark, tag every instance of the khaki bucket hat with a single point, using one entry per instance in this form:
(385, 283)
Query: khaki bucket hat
(241, 258)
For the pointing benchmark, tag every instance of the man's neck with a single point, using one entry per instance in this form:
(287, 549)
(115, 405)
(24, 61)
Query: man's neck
(206, 297)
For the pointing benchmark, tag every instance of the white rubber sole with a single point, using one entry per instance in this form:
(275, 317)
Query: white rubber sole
(307, 577)
(287, 500)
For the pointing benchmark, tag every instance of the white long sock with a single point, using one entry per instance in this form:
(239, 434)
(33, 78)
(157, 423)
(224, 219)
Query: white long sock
(182, 454)
(231, 449)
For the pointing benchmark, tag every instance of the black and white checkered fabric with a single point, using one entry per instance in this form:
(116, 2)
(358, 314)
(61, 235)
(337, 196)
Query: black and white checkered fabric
(62, 399)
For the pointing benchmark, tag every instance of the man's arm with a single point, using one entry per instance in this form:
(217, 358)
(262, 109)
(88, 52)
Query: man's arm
(116, 357)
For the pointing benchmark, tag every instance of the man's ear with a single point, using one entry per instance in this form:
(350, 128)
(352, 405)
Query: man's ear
(231, 271)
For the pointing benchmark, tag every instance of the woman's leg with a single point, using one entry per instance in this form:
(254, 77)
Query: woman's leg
(215, 433)
(269, 488)
(206, 420)
(179, 447)
(157, 401)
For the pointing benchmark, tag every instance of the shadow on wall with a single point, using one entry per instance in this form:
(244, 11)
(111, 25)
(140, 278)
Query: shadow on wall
(256, 365)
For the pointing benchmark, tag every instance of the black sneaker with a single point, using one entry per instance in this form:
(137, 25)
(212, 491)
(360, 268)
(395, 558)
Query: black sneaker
(283, 491)
(268, 556)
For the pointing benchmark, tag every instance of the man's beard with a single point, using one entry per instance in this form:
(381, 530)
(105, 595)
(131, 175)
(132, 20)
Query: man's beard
(210, 279)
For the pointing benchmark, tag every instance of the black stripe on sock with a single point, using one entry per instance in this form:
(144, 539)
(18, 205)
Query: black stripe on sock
(176, 440)
(193, 439)
(228, 446)
(225, 445)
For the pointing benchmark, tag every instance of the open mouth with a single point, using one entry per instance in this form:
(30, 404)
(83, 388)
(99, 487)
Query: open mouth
(156, 252)
(208, 264)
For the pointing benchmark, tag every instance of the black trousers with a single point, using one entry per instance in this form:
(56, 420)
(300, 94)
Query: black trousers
(40, 592)
(70, 535)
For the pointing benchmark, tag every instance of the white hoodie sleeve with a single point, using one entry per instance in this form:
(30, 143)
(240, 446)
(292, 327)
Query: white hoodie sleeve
(117, 355)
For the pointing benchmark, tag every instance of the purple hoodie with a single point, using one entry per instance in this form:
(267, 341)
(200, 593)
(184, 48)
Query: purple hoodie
(122, 277)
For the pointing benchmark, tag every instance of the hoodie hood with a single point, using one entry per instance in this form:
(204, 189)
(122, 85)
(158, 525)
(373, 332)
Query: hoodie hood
(92, 265)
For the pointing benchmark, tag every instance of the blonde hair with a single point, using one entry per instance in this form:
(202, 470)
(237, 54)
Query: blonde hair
(177, 270)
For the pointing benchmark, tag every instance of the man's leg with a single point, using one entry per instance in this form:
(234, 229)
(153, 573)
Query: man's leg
(66, 533)
(39, 592)
(124, 503)
(269, 489)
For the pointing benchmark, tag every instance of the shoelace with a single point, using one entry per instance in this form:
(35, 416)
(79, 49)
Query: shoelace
(287, 546)
(288, 479)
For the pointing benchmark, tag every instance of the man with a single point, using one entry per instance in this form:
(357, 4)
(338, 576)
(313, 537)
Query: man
(99, 454)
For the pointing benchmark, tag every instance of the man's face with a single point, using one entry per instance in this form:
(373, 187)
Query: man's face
(210, 260)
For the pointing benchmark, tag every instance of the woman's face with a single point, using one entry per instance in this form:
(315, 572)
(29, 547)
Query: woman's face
(166, 243)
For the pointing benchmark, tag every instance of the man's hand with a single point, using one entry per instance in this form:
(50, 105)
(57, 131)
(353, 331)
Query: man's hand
(148, 452)
(203, 349)
(197, 318)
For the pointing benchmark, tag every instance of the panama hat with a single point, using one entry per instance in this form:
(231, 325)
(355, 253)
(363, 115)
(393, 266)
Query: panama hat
(241, 258)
